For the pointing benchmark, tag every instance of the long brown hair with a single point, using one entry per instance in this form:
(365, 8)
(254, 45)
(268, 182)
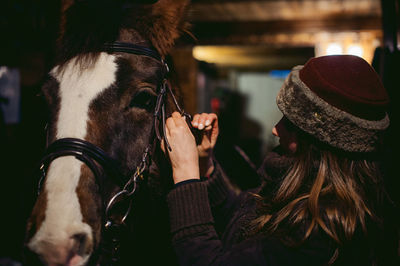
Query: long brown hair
(323, 189)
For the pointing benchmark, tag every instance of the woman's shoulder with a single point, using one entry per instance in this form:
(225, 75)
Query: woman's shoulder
(280, 250)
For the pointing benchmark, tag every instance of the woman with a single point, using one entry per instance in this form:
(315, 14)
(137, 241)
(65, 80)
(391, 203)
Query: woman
(322, 201)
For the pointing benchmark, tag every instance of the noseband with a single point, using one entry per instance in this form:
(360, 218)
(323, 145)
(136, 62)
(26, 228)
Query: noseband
(102, 165)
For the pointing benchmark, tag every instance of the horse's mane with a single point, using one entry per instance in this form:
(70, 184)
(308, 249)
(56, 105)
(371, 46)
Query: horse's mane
(87, 25)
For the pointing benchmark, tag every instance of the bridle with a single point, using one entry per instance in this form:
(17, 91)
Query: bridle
(103, 165)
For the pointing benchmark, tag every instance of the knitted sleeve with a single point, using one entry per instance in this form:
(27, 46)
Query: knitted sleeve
(195, 239)
(223, 198)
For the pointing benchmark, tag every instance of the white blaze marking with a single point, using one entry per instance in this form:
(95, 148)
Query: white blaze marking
(78, 88)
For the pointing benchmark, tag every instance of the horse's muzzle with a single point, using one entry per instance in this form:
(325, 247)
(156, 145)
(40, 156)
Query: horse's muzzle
(73, 252)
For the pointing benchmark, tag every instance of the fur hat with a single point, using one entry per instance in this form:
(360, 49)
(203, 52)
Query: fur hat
(339, 100)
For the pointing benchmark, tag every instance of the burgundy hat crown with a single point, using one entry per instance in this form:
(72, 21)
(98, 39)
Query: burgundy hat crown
(338, 99)
(348, 83)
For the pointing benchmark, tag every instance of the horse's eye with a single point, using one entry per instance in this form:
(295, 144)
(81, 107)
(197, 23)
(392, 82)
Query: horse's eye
(143, 100)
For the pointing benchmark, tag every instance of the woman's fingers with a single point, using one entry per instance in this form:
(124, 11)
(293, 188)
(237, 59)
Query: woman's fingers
(179, 120)
(207, 122)
(169, 124)
(195, 120)
(177, 127)
(204, 121)
(176, 120)
(199, 121)
(211, 121)
(183, 154)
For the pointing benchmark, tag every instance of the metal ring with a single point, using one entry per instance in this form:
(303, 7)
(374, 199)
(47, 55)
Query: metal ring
(127, 211)
(111, 202)
(133, 190)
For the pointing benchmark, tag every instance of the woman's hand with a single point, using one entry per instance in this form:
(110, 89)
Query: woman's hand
(208, 123)
(184, 155)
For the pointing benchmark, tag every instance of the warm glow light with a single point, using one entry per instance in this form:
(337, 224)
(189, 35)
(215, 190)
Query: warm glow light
(334, 48)
(362, 44)
(355, 50)
(200, 53)
(238, 56)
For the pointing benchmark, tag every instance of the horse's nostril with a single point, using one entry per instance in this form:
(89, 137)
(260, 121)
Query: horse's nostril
(79, 247)
(80, 244)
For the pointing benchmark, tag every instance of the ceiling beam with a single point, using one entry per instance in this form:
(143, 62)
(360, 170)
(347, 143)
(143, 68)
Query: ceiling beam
(228, 32)
(228, 10)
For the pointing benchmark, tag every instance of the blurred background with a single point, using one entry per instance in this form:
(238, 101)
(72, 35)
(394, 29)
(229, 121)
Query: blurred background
(234, 63)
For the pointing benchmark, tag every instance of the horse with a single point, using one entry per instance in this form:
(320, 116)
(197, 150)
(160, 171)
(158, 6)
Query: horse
(103, 178)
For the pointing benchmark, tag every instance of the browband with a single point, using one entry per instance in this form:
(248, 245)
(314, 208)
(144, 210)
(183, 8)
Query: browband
(131, 48)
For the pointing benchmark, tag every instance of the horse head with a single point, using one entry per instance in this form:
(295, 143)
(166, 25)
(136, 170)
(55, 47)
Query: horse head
(107, 96)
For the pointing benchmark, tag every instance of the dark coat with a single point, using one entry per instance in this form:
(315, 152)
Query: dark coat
(209, 222)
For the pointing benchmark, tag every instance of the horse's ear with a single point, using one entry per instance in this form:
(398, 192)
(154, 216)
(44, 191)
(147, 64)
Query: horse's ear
(168, 23)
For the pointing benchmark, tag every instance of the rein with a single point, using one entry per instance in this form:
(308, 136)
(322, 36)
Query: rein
(103, 165)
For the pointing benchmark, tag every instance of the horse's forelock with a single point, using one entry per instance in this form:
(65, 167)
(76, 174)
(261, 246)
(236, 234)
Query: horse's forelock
(163, 23)
(87, 25)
